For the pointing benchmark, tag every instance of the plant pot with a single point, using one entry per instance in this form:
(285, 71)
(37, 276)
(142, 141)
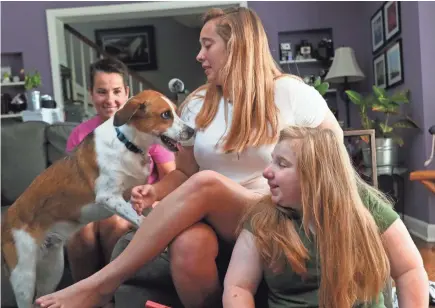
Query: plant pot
(386, 154)
(34, 100)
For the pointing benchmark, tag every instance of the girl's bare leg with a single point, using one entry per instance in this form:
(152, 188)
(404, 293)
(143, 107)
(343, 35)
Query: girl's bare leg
(193, 266)
(206, 194)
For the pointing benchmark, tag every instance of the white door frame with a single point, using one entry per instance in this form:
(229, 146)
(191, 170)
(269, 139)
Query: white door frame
(115, 12)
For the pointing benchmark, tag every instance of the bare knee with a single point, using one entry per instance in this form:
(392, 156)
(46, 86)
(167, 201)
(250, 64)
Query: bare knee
(83, 241)
(193, 249)
(205, 180)
(110, 231)
(113, 226)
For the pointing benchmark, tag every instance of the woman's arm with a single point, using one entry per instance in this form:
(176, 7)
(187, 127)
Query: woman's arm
(407, 268)
(186, 166)
(164, 169)
(244, 273)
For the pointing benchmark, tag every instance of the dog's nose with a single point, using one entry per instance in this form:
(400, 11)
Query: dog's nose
(187, 133)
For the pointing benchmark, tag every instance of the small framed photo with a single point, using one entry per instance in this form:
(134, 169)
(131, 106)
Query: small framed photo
(380, 71)
(377, 26)
(392, 19)
(395, 75)
(135, 46)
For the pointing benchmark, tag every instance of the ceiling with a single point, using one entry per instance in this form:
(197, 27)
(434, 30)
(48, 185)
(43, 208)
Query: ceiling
(191, 21)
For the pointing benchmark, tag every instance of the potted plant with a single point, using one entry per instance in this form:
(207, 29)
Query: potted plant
(31, 83)
(387, 140)
(321, 87)
(6, 77)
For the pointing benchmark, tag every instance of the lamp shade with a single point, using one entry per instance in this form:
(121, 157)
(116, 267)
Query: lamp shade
(344, 65)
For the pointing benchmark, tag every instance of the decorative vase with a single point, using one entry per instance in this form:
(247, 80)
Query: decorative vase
(34, 100)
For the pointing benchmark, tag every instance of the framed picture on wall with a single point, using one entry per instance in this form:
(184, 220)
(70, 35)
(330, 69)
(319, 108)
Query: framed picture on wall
(377, 26)
(380, 71)
(135, 46)
(395, 75)
(392, 19)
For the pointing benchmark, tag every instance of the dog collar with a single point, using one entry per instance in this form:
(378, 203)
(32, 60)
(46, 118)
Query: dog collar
(129, 145)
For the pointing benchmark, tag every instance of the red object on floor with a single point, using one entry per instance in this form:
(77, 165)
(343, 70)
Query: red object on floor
(150, 304)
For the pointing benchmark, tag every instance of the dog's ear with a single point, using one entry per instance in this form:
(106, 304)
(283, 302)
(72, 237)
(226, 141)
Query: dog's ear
(125, 114)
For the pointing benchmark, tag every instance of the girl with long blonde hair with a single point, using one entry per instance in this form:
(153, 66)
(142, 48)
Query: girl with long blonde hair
(318, 239)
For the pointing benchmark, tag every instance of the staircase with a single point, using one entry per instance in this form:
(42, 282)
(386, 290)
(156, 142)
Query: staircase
(75, 79)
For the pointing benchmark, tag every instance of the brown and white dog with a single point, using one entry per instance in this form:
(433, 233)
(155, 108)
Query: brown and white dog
(84, 187)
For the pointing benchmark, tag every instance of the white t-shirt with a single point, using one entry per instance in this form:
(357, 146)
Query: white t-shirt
(298, 103)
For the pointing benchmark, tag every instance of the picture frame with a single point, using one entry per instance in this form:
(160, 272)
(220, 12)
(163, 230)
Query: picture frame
(392, 19)
(135, 46)
(377, 30)
(394, 60)
(380, 71)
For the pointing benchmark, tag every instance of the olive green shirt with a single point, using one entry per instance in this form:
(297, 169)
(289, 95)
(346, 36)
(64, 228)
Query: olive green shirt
(287, 289)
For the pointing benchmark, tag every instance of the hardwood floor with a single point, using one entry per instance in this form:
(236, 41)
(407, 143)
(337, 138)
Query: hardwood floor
(427, 251)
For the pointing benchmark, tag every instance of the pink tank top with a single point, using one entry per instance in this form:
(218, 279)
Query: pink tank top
(157, 153)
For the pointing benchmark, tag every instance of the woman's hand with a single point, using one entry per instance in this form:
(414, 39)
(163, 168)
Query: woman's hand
(143, 197)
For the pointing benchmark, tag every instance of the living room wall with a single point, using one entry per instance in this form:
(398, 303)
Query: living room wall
(176, 49)
(418, 44)
(350, 22)
(24, 29)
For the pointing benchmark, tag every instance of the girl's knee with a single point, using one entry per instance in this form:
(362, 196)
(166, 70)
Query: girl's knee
(204, 180)
(194, 246)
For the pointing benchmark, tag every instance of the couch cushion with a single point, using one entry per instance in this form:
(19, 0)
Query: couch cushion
(57, 135)
(23, 156)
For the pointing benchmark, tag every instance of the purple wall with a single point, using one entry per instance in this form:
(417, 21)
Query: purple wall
(427, 47)
(416, 60)
(31, 38)
(344, 18)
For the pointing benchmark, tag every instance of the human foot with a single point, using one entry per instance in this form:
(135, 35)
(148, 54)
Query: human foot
(78, 295)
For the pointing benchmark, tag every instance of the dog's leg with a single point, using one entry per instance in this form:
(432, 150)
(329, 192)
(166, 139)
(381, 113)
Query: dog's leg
(50, 267)
(23, 276)
(117, 205)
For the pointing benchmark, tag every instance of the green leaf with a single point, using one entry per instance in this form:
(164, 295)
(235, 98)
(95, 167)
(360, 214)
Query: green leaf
(379, 108)
(379, 92)
(385, 128)
(322, 88)
(355, 97)
(317, 82)
(400, 98)
(384, 100)
(405, 123)
(398, 140)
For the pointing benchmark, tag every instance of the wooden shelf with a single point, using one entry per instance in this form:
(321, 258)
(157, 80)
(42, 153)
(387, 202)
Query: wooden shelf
(11, 115)
(301, 61)
(12, 84)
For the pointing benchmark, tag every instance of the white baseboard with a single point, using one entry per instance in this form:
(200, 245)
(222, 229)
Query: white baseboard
(419, 228)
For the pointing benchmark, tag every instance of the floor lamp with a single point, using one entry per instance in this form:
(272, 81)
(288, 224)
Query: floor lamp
(344, 70)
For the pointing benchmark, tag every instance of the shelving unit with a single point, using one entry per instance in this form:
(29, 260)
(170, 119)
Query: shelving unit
(301, 61)
(312, 66)
(12, 84)
(11, 116)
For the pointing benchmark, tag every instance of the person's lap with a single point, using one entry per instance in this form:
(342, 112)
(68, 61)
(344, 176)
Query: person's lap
(91, 247)
(206, 195)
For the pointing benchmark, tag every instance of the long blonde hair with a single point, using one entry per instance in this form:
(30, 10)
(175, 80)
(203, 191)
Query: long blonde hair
(353, 263)
(248, 79)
